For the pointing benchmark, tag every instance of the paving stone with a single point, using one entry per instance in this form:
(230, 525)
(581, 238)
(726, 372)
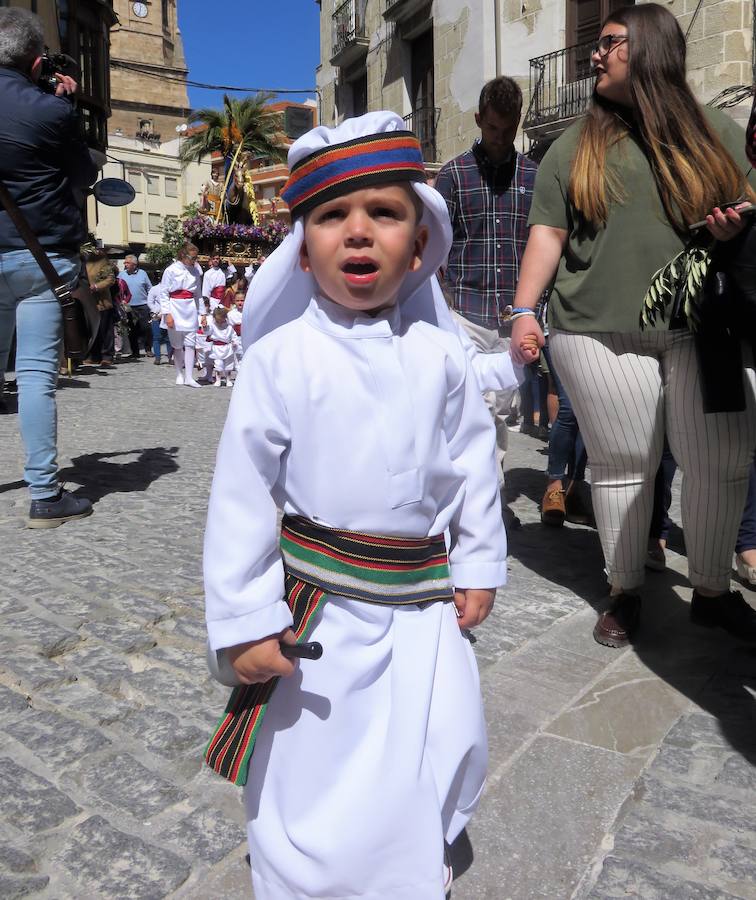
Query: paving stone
(740, 774)
(206, 834)
(703, 805)
(111, 863)
(176, 692)
(30, 671)
(32, 631)
(31, 803)
(127, 638)
(189, 661)
(81, 699)
(125, 784)
(13, 886)
(165, 734)
(138, 608)
(621, 878)
(103, 665)
(11, 704)
(56, 740)
(14, 860)
(737, 867)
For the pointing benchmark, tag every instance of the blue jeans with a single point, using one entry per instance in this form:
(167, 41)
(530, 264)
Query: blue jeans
(28, 303)
(159, 336)
(567, 452)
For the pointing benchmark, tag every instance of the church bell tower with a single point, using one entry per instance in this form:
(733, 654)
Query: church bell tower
(148, 71)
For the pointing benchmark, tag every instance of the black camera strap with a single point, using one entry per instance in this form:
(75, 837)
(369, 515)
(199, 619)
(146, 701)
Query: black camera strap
(60, 288)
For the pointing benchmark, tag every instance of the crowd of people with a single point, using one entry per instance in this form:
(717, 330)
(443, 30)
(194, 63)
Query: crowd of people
(368, 339)
(137, 317)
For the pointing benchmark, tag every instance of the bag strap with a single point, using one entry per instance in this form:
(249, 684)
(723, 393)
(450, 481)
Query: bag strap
(60, 288)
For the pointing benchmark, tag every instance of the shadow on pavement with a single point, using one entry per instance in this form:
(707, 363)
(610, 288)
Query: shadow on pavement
(99, 476)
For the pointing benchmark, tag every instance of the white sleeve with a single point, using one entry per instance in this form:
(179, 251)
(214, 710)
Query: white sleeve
(478, 549)
(205, 287)
(244, 577)
(153, 300)
(493, 371)
(167, 284)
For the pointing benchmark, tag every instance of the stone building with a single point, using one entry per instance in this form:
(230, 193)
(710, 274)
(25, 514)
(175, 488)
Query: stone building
(79, 28)
(428, 59)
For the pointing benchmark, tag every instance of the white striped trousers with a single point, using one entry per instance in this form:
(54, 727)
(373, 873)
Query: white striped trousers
(627, 389)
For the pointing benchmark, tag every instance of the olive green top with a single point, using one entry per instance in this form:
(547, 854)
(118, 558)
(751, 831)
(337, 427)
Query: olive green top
(604, 273)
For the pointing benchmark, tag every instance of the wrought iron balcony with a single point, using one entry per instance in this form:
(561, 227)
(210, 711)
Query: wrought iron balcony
(561, 87)
(423, 122)
(349, 40)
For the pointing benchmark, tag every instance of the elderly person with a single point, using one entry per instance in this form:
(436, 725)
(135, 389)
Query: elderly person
(139, 284)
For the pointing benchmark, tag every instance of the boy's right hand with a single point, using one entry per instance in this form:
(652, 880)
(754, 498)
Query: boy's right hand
(258, 661)
(522, 330)
(169, 320)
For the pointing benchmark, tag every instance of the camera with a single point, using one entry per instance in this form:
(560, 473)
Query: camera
(52, 63)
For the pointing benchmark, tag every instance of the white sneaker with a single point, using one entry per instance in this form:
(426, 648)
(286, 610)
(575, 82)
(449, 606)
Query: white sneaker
(218, 382)
(180, 378)
(190, 382)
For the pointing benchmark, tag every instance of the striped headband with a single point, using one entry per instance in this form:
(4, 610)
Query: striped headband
(383, 158)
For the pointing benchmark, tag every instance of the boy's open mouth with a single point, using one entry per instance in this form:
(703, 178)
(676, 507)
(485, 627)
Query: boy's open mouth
(359, 271)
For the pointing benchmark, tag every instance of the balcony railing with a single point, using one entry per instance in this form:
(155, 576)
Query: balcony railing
(561, 87)
(423, 122)
(349, 40)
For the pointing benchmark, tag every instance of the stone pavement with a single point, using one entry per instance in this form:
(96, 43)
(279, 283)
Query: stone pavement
(613, 774)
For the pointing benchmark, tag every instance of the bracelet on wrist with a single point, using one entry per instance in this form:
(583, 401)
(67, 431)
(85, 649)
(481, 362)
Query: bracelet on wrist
(523, 309)
(519, 315)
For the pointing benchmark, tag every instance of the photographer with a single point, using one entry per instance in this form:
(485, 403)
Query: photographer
(43, 158)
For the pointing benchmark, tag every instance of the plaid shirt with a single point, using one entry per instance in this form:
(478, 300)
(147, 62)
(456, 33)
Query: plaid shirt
(488, 206)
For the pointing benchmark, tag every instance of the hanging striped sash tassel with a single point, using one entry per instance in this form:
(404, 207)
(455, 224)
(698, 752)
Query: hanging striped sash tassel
(319, 561)
(230, 748)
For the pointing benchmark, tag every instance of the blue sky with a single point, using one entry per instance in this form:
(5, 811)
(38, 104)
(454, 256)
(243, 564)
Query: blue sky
(251, 43)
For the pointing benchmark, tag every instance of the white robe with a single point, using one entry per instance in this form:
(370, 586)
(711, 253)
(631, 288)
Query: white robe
(213, 278)
(177, 277)
(222, 354)
(370, 757)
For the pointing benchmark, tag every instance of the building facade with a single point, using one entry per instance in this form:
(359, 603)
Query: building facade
(428, 59)
(80, 29)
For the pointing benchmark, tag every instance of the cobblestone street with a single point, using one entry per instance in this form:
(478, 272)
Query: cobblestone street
(613, 773)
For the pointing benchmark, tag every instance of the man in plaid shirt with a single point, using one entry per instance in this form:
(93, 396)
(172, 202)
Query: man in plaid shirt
(488, 190)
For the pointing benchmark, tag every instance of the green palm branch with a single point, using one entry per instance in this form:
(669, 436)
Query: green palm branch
(241, 126)
(681, 280)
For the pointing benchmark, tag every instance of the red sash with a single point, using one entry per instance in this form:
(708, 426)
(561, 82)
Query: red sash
(237, 329)
(217, 293)
(221, 343)
(182, 295)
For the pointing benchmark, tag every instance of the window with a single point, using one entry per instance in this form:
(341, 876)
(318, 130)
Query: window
(135, 221)
(166, 20)
(155, 223)
(584, 18)
(268, 191)
(135, 180)
(153, 184)
(171, 187)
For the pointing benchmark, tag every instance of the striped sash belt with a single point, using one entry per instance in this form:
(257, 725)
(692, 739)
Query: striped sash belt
(319, 561)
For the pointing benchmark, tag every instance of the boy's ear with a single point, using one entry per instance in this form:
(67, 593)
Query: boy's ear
(421, 242)
(304, 258)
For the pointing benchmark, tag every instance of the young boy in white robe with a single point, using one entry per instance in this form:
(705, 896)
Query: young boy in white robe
(221, 341)
(235, 319)
(357, 412)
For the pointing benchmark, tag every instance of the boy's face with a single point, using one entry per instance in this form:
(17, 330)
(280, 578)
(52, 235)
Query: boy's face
(239, 302)
(360, 247)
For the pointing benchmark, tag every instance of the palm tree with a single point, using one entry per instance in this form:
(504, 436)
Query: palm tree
(242, 127)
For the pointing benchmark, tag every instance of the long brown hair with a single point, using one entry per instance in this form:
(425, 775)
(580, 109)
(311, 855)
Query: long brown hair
(693, 170)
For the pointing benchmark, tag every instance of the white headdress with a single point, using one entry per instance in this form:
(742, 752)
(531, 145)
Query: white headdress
(280, 291)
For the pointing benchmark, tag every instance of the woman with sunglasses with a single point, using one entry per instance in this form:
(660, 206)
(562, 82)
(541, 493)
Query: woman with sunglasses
(614, 200)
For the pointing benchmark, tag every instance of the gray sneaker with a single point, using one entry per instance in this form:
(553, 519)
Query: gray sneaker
(54, 511)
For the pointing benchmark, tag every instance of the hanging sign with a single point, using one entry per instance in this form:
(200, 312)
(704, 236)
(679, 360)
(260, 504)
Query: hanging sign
(114, 192)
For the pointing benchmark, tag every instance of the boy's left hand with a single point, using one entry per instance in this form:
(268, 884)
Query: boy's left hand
(473, 605)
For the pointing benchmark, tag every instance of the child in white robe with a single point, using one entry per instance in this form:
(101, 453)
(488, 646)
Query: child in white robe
(235, 319)
(221, 340)
(180, 291)
(356, 410)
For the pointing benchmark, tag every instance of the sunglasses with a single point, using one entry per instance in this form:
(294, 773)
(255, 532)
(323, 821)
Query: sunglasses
(607, 43)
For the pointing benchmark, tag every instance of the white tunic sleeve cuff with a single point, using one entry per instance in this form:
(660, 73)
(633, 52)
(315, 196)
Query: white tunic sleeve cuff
(472, 575)
(252, 626)
(497, 372)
